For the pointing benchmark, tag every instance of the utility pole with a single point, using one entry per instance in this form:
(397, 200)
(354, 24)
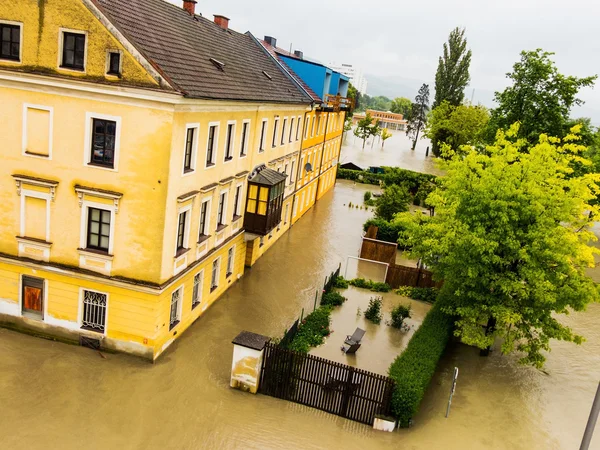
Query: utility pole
(591, 424)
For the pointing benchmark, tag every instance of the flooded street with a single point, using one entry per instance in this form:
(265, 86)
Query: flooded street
(58, 396)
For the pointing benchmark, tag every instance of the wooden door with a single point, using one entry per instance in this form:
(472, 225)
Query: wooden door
(33, 296)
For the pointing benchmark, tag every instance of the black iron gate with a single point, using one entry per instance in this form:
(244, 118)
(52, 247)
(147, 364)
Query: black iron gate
(329, 386)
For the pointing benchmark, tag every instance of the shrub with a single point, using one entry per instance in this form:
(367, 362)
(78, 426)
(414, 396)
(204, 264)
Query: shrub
(413, 369)
(340, 283)
(360, 176)
(386, 231)
(377, 286)
(333, 299)
(373, 312)
(399, 314)
(374, 286)
(367, 196)
(312, 330)
(418, 293)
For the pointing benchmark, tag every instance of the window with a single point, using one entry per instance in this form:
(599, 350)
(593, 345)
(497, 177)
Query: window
(292, 173)
(285, 216)
(291, 130)
(306, 125)
(204, 218)
(229, 142)
(230, 255)
(298, 128)
(236, 204)
(222, 209)
(190, 138)
(98, 229)
(32, 295)
(94, 311)
(285, 169)
(275, 126)
(312, 128)
(181, 231)
(318, 125)
(244, 141)
(210, 148)
(197, 292)
(103, 142)
(175, 315)
(114, 63)
(283, 131)
(214, 278)
(263, 130)
(73, 51)
(10, 39)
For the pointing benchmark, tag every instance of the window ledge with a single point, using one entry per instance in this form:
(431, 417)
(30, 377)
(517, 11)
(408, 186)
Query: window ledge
(203, 238)
(36, 241)
(228, 274)
(213, 288)
(76, 69)
(95, 330)
(221, 227)
(236, 218)
(181, 252)
(228, 158)
(195, 304)
(173, 325)
(188, 170)
(102, 166)
(210, 165)
(96, 253)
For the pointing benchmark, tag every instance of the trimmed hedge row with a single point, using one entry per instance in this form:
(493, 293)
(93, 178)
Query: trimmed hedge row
(414, 368)
(375, 286)
(428, 295)
(354, 175)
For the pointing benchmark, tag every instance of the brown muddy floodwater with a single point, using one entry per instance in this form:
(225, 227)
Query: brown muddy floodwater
(55, 396)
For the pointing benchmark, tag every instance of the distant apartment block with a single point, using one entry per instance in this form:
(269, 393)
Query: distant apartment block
(355, 75)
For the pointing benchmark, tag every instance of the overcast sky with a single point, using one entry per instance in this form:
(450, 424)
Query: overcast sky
(404, 39)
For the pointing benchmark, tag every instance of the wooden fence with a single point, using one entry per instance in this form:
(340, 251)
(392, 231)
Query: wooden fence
(398, 275)
(379, 250)
(326, 385)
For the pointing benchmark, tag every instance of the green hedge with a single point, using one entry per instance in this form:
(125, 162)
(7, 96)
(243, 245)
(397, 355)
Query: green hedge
(332, 299)
(312, 330)
(367, 177)
(418, 293)
(415, 367)
(386, 231)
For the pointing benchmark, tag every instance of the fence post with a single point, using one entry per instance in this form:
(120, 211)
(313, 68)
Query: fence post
(347, 392)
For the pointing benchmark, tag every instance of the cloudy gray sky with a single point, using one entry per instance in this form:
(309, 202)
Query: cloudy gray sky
(400, 41)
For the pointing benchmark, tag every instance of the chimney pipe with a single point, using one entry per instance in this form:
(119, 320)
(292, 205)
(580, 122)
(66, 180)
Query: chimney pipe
(222, 21)
(298, 54)
(190, 6)
(271, 41)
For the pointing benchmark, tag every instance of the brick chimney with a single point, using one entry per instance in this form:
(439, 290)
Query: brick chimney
(271, 41)
(222, 21)
(190, 6)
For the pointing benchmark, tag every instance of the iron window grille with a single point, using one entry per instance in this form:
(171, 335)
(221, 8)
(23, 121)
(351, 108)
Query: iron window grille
(98, 229)
(210, 150)
(103, 142)
(114, 63)
(230, 262)
(73, 56)
(197, 290)
(10, 40)
(174, 315)
(94, 311)
(243, 143)
(189, 147)
(228, 155)
(181, 231)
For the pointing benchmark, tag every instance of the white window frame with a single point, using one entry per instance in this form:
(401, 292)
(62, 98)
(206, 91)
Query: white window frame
(23, 218)
(80, 310)
(291, 134)
(284, 124)
(225, 201)
(275, 129)
(232, 141)
(306, 127)
(238, 208)
(248, 124)
(87, 141)
(298, 129)
(194, 158)
(50, 109)
(44, 298)
(20, 25)
(264, 125)
(179, 306)
(186, 235)
(85, 208)
(292, 173)
(207, 222)
(200, 286)
(230, 262)
(214, 286)
(108, 52)
(61, 40)
(215, 144)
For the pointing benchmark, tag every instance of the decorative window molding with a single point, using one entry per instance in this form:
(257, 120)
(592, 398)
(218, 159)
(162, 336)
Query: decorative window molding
(83, 191)
(186, 197)
(21, 180)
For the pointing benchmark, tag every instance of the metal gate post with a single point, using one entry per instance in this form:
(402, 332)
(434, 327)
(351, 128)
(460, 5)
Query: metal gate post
(347, 392)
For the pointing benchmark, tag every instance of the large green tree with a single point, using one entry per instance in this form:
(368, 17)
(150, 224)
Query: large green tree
(401, 105)
(394, 200)
(456, 126)
(418, 116)
(452, 74)
(540, 98)
(511, 239)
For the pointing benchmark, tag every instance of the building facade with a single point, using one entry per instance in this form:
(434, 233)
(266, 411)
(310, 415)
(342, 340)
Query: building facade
(386, 119)
(355, 75)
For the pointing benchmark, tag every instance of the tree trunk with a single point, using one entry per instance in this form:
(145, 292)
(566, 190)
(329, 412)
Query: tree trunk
(364, 140)
(489, 329)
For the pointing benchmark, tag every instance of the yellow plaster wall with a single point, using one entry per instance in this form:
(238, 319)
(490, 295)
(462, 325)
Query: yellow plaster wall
(42, 20)
(141, 178)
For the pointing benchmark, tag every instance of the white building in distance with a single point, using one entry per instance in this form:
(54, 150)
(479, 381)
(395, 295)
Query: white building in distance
(356, 76)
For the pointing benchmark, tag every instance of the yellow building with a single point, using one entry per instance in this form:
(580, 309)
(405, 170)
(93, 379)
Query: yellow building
(132, 132)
